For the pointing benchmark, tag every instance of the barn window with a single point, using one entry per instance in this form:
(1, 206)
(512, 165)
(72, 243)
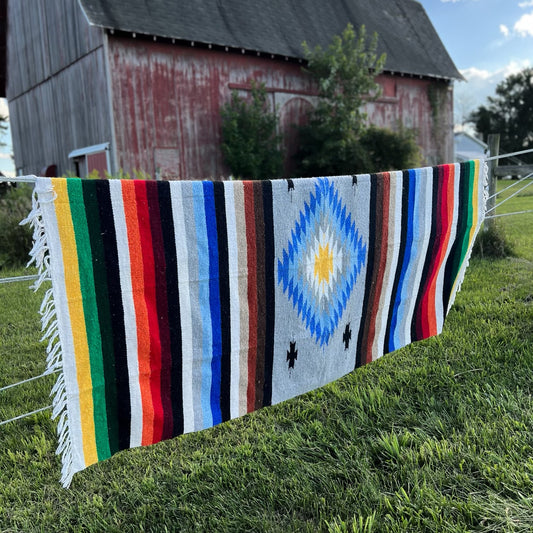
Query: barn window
(90, 159)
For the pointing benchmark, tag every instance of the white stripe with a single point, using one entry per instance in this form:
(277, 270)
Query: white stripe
(130, 319)
(394, 241)
(180, 228)
(439, 303)
(233, 269)
(64, 325)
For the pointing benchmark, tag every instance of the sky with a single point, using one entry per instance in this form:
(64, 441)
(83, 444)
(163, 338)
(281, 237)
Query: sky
(486, 39)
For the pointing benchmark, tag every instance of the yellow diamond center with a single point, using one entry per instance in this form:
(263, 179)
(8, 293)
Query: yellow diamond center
(323, 263)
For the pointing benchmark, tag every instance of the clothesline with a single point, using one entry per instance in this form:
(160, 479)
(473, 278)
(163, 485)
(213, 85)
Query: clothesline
(25, 415)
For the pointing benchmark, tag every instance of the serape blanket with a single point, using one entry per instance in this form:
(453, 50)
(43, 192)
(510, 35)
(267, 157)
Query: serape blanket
(179, 305)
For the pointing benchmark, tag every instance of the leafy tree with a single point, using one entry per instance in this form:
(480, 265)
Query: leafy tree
(509, 113)
(250, 142)
(345, 74)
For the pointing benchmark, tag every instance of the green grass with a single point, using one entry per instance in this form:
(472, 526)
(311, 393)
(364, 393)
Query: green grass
(434, 437)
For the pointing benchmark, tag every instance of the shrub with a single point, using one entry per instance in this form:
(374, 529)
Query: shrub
(250, 142)
(492, 242)
(15, 240)
(389, 150)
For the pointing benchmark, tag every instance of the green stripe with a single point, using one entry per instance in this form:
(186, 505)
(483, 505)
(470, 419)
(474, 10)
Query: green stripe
(104, 311)
(90, 310)
(469, 208)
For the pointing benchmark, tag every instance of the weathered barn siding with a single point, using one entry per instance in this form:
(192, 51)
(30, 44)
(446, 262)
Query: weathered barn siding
(425, 105)
(56, 85)
(167, 99)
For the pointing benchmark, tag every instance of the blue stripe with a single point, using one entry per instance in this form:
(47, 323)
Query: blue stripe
(214, 300)
(399, 303)
(202, 243)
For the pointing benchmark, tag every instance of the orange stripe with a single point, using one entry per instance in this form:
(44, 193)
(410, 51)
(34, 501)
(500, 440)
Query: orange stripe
(141, 313)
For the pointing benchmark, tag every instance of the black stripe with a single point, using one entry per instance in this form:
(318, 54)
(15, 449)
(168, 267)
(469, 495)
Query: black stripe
(401, 254)
(173, 305)
(110, 311)
(270, 303)
(369, 269)
(433, 246)
(225, 315)
(452, 264)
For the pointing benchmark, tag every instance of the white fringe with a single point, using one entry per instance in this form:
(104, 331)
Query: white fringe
(40, 256)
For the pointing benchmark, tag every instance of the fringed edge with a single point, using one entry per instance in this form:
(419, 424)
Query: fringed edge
(485, 178)
(40, 256)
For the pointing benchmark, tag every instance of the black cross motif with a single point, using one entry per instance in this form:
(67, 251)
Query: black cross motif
(290, 185)
(292, 355)
(354, 180)
(347, 336)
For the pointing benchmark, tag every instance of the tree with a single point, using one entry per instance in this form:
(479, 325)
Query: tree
(345, 74)
(509, 113)
(250, 142)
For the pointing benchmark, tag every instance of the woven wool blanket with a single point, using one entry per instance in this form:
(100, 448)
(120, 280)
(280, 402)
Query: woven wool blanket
(179, 305)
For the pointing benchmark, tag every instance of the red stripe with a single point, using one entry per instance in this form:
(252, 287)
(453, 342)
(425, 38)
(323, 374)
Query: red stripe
(444, 214)
(382, 237)
(165, 365)
(150, 296)
(249, 214)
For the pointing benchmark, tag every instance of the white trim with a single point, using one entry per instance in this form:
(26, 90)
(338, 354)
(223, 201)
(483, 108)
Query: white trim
(88, 150)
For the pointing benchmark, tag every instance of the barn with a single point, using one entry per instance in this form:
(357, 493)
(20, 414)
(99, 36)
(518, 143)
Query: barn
(136, 85)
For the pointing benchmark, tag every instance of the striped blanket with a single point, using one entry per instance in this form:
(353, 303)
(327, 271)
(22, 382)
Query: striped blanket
(176, 306)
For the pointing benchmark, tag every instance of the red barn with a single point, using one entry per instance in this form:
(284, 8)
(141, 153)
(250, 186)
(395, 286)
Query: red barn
(138, 85)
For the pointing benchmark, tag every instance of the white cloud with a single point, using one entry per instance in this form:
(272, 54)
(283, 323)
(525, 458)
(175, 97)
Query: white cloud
(523, 5)
(524, 25)
(504, 29)
(481, 83)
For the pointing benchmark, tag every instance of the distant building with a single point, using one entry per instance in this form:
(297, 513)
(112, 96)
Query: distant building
(468, 147)
(138, 84)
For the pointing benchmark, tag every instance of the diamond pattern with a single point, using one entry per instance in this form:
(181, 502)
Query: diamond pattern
(320, 263)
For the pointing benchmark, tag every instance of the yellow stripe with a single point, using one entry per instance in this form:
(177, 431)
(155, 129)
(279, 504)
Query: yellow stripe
(77, 319)
(475, 202)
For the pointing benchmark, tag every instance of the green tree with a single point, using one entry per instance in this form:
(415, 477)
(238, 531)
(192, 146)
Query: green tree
(344, 72)
(509, 113)
(250, 142)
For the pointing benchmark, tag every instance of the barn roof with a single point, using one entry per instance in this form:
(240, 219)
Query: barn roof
(280, 26)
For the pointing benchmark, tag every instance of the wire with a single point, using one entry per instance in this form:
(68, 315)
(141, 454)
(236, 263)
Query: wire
(501, 156)
(26, 415)
(7, 387)
(18, 278)
(510, 186)
(507, 214)
(509, 197)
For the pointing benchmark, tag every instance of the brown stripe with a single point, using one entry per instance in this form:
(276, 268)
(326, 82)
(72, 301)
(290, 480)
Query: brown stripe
(380, 258)
(261, 296)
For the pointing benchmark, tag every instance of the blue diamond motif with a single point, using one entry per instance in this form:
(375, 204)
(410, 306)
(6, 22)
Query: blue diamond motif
(321, 262)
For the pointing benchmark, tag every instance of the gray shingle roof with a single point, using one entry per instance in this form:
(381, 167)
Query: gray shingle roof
(280, 26)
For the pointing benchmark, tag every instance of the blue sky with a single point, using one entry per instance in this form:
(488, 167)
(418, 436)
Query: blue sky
(487, 40)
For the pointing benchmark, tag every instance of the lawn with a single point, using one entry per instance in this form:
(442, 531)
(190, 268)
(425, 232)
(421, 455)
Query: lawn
(434, 437)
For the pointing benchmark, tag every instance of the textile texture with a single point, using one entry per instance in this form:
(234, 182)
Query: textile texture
(176, 306)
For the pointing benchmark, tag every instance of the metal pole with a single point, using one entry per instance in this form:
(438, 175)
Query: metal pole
(494, 150)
